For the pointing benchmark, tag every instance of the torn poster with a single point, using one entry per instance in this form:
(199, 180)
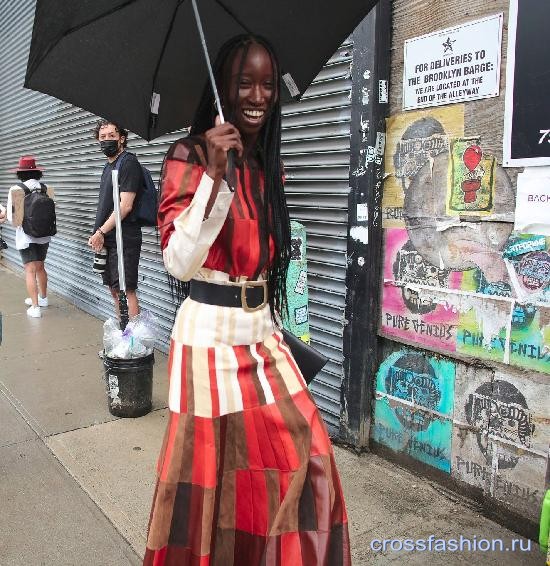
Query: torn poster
(533, 201)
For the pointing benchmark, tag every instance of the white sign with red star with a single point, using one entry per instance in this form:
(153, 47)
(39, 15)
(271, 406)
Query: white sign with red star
(453, 65)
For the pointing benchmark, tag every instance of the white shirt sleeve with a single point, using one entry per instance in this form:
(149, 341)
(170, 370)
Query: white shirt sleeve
(190, 242)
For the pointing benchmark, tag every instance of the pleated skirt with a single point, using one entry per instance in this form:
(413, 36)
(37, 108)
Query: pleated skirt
(246, 473)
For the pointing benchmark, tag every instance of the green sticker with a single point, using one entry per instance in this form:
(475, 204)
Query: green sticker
(520, 244)
(297, 318)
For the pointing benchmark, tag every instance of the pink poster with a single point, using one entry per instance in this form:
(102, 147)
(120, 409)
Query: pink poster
(407, 313)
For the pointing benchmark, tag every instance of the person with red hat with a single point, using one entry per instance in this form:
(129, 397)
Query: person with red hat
(33, 249)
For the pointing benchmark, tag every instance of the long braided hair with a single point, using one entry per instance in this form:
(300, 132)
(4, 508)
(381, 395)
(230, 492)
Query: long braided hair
(275, 212)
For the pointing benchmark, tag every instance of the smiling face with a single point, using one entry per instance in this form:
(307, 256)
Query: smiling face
(251, 92)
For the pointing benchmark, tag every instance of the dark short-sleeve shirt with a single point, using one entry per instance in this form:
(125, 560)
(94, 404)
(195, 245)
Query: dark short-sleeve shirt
(130, 179)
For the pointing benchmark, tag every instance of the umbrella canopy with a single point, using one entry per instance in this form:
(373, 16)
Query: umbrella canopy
(123, 59)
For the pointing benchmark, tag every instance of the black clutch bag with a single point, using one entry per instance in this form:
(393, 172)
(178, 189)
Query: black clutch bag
(309, 360)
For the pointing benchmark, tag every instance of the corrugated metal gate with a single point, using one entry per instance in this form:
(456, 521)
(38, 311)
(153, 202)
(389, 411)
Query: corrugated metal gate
(315, 152)
(316, 142)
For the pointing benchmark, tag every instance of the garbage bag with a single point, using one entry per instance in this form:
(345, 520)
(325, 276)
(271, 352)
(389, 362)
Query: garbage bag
(136, 341)
(112, 335)
(128, 347)
(144, 327)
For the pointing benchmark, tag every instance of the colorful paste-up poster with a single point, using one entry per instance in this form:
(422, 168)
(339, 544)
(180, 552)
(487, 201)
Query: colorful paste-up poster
(409, 311)
(483, 328)
(297, 320)
(530, 337)
(530, 275)
(528, 258)
(414, 407)
(412, 140)
(471, 179)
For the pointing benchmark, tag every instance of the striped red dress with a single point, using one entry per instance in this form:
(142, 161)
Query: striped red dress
(246, 473)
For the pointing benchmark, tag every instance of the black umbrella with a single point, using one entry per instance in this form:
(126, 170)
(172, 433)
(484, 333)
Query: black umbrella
(140, 62)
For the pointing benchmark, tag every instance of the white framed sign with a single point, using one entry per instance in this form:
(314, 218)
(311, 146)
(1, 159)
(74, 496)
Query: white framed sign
(453, 65)
(527, 110)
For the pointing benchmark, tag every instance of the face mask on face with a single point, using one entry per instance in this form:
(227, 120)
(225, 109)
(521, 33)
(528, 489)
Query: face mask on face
(109, 147)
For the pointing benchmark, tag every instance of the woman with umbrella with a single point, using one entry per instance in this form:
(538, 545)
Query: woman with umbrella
(246, 474)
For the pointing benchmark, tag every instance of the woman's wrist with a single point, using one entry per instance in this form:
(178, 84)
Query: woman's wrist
(214, 173)
(101, 232)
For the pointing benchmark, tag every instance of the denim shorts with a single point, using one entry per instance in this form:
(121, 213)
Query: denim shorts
(35, 252)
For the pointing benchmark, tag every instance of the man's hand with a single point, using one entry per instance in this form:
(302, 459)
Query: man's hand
(96, 241)
(2, 214)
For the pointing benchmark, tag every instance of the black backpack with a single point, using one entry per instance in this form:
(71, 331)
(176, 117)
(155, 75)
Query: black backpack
(147, 204)
(39, 213)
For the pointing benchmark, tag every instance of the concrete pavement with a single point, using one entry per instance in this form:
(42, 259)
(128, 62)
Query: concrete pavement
(76, 483)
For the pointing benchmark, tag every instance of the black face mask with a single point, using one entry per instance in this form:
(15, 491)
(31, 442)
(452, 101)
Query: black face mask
(109, 147)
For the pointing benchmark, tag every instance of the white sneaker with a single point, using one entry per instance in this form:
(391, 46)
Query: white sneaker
(42, 302)
(34, 312)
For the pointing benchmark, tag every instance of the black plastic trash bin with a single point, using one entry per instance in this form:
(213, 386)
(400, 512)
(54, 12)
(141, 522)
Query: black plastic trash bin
(129, 385)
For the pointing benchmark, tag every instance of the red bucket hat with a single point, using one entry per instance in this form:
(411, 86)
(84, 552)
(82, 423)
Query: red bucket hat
(27, 163)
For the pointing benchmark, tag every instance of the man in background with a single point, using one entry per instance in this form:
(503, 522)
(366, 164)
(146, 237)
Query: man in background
(113, 140)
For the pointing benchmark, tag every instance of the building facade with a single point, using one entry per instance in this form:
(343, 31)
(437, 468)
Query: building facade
(433, 311)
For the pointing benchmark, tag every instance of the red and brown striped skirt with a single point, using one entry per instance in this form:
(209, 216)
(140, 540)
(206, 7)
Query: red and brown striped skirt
(246, 473)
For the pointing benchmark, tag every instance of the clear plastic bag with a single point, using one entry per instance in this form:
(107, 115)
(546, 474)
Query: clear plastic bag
(144, 327)
(137, 340)
(112, 335)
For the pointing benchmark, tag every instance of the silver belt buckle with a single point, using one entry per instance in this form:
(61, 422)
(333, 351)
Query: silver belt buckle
(244, 303)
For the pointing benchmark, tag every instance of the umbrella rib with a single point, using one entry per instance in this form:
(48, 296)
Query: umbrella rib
(76, 28)
(231, 13)
(166, 38)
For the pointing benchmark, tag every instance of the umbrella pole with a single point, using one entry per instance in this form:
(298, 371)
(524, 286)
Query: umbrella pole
(230, 176)
(208, 63)
(123, 301)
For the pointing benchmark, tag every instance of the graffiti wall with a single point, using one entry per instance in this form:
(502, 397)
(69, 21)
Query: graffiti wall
(414, 407)
(487, 428)
(457, 278)
(501, 435)
(464, 383)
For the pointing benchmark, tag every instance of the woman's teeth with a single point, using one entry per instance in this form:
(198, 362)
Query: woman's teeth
(253, 113)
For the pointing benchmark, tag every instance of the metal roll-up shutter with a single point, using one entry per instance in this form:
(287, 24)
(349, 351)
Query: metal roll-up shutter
(316, 146)
(60, 136)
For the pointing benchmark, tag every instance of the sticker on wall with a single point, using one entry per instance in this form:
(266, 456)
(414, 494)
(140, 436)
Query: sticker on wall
(534, 271)
(471, 179)
(414, 407)
(297, 320)
(520, 244)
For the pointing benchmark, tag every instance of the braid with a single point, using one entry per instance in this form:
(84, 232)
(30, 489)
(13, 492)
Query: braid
(276, 218)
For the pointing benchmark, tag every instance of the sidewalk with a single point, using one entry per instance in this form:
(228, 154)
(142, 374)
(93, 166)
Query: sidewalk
(76, 483)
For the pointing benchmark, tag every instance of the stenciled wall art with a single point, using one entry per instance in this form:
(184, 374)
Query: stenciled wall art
(414, 407)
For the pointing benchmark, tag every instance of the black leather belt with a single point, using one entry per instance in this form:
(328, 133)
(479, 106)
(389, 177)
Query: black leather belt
(250, 295)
